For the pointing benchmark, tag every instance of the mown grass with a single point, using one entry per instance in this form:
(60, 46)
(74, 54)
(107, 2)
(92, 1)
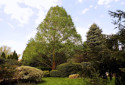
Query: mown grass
(112, 82)
(61, 81)
(67, 81)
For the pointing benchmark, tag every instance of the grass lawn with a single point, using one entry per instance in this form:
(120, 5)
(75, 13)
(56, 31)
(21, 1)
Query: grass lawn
(61, 81)
(66, 81)
(111, 82)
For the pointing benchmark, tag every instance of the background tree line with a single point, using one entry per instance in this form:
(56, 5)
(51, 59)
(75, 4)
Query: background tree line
(5, 52)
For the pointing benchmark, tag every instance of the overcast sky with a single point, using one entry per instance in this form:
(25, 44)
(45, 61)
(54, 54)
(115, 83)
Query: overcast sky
(20, 18)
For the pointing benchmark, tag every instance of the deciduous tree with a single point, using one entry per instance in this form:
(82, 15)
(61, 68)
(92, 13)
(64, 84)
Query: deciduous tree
(56, 36)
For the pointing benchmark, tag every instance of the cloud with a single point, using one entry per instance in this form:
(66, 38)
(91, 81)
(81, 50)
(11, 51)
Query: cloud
(90, 6)
(22, 10)
(106, 2)
(42, 6)
(31, 35)
(12, 26)
(80, 1)
(16, 12)
(86, 9)
(82, 31)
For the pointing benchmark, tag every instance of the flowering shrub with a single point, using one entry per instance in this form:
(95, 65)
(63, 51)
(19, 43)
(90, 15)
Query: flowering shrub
(73, 76)
(27, 73)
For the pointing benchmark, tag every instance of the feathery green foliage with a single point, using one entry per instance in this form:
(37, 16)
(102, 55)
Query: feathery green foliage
(56, 39)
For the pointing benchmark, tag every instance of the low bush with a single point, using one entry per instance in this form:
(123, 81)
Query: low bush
(29, 74)
(69, 68)
(55, 73)
(73, 76)
(46, 73)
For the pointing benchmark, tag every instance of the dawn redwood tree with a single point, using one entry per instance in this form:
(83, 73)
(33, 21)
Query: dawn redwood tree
(56, 38)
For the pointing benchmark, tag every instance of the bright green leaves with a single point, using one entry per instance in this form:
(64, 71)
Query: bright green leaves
(56, 37)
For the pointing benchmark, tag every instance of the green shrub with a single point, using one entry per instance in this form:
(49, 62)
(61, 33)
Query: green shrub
(13, 62)
(95, 79)
(44, 68)
(55, 73)
(86, 69)
(121, 80)
(46, 73)
(2, 60)
(69, 68)
(30, 74)
(7, 71)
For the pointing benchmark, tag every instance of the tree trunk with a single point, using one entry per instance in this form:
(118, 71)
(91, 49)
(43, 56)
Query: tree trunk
(54, 62)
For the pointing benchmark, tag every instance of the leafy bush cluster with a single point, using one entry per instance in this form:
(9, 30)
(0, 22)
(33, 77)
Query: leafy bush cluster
(66, 69)
(27, 73)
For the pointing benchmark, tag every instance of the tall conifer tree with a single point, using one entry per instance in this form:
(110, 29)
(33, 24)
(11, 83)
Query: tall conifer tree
(94, 42)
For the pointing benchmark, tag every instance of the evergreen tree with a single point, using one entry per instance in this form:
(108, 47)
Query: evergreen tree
(15, 56)
(3, 55)
(119, 21)
(10, 57)
(98, 53)
(94, 42)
